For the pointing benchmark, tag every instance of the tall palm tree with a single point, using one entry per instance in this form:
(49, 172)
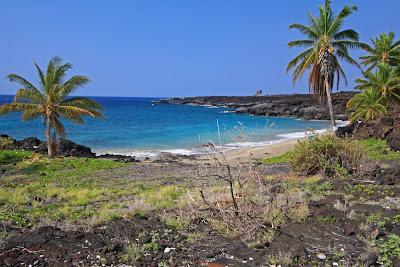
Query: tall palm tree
(384, 50)
(368, 105)
(385, 80)
(326, 43)
(50, 101)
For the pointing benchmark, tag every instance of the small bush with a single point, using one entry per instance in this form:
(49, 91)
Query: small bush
(327, 154)
(6, 143)
(13, 156)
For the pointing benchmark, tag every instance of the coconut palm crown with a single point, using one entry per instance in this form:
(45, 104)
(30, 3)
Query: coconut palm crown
(368, 105)
(51, 102)
(325, 43)
(385, 80)
(384, 50)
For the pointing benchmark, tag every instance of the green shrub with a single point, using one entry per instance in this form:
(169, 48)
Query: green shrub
(326, 154)
(389, 248)
(13, 156)
(6, 143)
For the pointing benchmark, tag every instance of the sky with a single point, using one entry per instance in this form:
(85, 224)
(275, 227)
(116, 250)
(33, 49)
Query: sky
(171, 47)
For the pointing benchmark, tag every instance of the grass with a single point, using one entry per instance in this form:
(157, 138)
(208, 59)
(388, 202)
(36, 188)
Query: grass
(377, 149)
(37, 189)
(13, 156)
(284, 158)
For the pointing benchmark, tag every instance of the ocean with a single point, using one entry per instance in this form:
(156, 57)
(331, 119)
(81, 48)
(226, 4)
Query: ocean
(135, 126)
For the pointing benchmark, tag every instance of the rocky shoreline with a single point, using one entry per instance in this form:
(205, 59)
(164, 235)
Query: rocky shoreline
(68, 148)
(303, 106)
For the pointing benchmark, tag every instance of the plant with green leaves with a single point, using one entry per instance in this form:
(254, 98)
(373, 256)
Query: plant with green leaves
(328, 155)
(384, 50)
(389, 248)
(368, 105)
(51, 101)
(326, 43)
(385, 80)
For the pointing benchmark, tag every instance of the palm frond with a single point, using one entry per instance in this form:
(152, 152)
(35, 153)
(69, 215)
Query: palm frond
(346, 34)
(308, 31)
(31, 114)
(41, 75)
(349, 43)
(298, 58)
(338, 21)
(81, 111)
(346, 57)
(16, 107)
(82, 102)
(59, 127)
(301, 43)
(22, 81)
(72, 84)
(32, 95)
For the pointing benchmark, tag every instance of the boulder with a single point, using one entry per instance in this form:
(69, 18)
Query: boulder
(393, 139)
(346, 131)
(70, 149)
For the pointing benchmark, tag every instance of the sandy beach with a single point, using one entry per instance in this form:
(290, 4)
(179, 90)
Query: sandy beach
(243, 155)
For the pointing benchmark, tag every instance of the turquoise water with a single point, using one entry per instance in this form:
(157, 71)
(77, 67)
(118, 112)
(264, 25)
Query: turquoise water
(135, 125)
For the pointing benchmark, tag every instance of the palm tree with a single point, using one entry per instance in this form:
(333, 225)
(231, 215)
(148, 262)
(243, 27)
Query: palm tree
(368, 105)
(51, 102)
(385, 50)
(385, 80)
(325, 42)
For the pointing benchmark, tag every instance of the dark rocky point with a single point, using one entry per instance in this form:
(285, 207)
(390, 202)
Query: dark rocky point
(303, 106)
(64, 147)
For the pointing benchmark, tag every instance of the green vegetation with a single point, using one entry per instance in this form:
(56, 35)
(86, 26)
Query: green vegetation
(369, 190)
(285, 157)
(379, 89)
(385, 80)
(326, 43)
(38, 189)
(52, 102)
(368, 105)
(327, 154)
(134, 251)
(377, 149)
(384, 50)
(387, 248)
(6, 143)
(381, 83)
(13, 156)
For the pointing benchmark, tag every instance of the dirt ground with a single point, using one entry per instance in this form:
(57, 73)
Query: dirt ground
(334, 234)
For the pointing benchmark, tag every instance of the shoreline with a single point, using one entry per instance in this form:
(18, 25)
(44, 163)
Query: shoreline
(257, 148)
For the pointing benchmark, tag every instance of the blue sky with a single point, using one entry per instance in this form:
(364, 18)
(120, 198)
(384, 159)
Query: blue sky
(170, 47)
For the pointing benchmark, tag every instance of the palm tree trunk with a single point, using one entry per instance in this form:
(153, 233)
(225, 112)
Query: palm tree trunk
(50, 141)
(330, 105)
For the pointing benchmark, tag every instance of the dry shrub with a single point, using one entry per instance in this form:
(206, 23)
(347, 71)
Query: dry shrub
(246, 205)
(327, 154)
